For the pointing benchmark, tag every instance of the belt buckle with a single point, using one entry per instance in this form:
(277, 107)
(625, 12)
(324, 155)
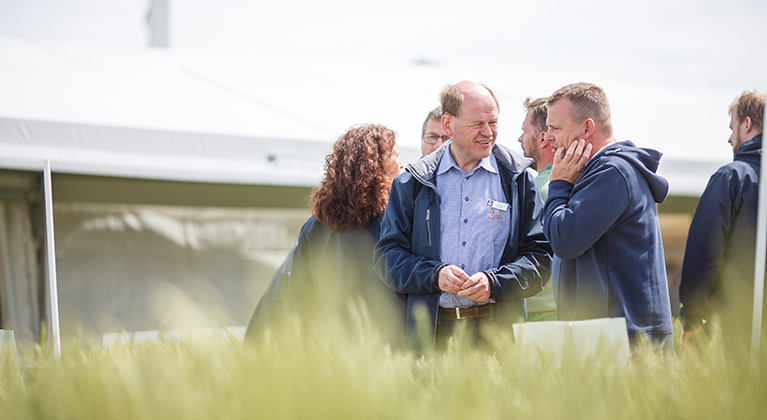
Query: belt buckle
(457, 313)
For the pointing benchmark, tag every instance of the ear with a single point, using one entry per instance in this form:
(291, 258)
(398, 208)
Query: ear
(542, 143)
(589, 126)
(748, 123)
(447, 124)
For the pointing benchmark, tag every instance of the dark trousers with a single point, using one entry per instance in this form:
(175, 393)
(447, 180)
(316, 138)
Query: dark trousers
(471, 332)
(663, 343)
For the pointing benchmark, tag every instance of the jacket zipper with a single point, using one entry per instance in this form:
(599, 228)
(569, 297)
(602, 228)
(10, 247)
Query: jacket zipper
(428, 231)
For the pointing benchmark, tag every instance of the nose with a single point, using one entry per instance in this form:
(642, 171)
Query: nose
(486, 130)
(520, 137)
(548, 137)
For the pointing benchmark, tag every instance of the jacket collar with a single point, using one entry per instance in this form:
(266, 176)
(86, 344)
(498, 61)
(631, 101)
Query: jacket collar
(750, 151)
(425, 169)
(447, 162)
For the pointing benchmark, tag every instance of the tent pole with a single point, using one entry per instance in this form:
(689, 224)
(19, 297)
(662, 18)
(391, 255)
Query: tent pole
(51, 244)
(761, 252)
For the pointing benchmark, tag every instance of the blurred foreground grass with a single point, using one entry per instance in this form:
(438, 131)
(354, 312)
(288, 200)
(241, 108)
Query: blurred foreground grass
(354, 375)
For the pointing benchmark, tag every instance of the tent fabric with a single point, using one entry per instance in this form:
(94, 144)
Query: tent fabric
(19, 274)
(143, 267)
(169, 115)
(153, 154)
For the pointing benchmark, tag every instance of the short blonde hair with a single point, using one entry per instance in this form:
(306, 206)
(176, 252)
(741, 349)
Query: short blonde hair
(749, 104)
(588, 101)
(538, 110)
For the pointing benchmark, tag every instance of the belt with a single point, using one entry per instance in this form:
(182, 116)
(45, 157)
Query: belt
(471, 312)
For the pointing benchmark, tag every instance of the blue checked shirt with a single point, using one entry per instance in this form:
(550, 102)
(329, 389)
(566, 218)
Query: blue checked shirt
(473, 232)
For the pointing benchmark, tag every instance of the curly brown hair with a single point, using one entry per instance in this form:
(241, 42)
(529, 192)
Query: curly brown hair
(357, 180)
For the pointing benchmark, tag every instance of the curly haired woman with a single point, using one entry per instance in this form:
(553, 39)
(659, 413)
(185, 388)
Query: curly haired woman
(327, 281)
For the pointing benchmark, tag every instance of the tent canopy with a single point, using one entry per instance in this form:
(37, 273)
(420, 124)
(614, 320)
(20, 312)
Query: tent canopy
(192, 117)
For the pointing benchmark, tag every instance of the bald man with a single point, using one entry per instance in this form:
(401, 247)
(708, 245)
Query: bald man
(462, 233)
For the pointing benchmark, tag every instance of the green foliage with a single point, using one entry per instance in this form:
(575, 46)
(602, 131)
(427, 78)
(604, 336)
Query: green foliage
(354, 374)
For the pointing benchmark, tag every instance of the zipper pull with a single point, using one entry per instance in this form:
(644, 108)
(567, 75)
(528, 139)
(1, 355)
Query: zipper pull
(428, 231)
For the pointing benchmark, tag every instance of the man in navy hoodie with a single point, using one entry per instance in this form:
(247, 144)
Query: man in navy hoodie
(718, 268)
(601, 219)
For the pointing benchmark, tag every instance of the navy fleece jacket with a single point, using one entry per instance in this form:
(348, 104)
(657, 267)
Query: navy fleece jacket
(607, 242)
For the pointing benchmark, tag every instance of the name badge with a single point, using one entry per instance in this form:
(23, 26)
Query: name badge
(498, 205)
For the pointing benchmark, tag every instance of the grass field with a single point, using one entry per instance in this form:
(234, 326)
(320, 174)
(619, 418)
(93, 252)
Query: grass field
(356, 376)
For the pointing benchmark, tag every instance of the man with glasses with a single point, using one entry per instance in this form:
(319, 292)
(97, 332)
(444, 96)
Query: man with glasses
(432, 133)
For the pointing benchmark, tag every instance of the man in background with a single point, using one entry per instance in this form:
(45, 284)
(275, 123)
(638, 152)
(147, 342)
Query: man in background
(432, 133)
(718, 268)
(540, 307)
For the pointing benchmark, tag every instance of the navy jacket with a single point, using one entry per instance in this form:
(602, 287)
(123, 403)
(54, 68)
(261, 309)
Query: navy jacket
(718, 269)
(605, 234)
(322, 281)
(410, 241)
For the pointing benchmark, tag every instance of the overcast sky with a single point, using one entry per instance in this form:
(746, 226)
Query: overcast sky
(679, 42)
(685, 45)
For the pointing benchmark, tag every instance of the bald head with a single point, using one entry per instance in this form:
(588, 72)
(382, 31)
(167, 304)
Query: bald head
(470, 118)
(454, 96)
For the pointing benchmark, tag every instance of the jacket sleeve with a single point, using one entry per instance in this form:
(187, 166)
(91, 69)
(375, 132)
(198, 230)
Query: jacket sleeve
(398, 267)
(575, 219)
(704, 253)
(529, 270)
(289, 289)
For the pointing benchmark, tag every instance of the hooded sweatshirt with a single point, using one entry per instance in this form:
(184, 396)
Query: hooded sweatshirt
(606, 238)
(718, 268)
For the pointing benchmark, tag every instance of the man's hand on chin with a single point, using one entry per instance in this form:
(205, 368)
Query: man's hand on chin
(568, 163)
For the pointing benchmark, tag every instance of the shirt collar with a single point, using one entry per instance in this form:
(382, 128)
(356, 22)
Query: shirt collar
(489, 164)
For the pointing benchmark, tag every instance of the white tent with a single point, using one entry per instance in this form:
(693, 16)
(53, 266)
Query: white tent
(166, 115)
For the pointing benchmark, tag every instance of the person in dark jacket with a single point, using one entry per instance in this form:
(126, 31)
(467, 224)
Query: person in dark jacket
(461, 236)
(602, 221)
(718, 268)
(327, 281)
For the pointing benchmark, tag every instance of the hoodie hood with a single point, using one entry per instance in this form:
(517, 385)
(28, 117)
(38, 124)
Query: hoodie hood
(646, 161)
(750, 151)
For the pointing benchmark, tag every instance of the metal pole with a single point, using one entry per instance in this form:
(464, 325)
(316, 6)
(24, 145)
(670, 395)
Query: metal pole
(53, 289)
(761, 252)
(158, 23)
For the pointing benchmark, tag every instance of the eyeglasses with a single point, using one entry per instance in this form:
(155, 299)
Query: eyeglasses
(432, 138)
